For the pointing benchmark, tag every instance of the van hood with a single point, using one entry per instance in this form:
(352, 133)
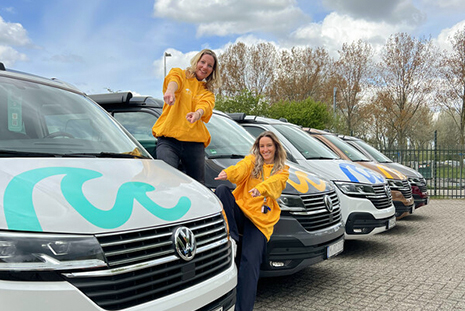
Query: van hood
(343, 170)
(384, 170)
(300, 181)
(70, 195)
(407, 171)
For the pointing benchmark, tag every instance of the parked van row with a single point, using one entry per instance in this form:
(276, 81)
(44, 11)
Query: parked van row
(90, 220)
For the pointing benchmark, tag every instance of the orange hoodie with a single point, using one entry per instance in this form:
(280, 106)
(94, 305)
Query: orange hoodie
(190, 96)
(270, 187)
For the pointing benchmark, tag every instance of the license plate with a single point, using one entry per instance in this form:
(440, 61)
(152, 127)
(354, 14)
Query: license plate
(335, 248)
(392, 223)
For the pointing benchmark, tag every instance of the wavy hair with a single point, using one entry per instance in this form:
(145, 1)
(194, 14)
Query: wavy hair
(279, 155)
(213, 80)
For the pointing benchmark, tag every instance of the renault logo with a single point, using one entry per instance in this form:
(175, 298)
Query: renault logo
(184, 242)
(328, 203)
(387, 190)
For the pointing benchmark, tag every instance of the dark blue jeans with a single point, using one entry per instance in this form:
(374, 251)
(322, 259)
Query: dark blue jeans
(251, 248)
(190, 154)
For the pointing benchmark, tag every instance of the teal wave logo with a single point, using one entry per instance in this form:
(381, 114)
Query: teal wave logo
(19, 207)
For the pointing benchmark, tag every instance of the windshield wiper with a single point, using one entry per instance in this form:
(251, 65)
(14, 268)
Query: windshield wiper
(15, 153)
(226, 156)
(103, 155)
(321, 158)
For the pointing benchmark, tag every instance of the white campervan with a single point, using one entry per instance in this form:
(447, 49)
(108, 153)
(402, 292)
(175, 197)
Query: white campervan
(90, 221)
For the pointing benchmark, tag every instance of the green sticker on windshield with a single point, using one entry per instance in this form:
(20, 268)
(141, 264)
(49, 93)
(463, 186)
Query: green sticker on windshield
(15, 117)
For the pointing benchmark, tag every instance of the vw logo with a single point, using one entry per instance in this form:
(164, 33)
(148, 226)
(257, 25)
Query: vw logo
(184, 243)
(328, 203)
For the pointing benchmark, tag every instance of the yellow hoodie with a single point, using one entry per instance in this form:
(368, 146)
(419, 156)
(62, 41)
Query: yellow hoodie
(190, 96)
(270, 187)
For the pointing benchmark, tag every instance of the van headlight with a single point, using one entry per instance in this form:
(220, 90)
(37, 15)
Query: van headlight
(47, 252)
(414, 181)
(355, 189)
(291, 203)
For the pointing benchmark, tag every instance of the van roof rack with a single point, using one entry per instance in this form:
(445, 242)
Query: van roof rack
(237, 116)
(112, 98)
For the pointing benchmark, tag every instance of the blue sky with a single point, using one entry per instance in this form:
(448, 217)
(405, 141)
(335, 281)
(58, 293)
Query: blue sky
(119, 44)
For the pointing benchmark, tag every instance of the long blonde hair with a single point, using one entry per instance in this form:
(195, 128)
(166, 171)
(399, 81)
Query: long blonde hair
(214, 79)
(279, 155)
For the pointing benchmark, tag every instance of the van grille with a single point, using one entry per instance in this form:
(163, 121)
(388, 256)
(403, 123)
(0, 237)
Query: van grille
(406, 190)
(316, 216)
(146, 268)
(422, 185)
(382, 198)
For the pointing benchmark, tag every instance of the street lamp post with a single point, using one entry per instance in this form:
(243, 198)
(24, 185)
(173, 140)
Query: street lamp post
(334, 101)
(164, 62)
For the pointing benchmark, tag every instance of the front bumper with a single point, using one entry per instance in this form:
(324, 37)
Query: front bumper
(363, 224)
(403, 210)
(420, 197)
(292, 248)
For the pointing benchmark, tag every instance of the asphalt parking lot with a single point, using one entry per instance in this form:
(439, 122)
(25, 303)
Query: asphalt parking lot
(417, 265)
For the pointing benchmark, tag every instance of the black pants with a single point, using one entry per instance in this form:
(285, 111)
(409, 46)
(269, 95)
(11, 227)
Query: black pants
(251, 248)
(190, 154)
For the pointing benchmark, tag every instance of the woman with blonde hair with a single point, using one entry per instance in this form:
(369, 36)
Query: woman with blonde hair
(189, 102)
(252, 208)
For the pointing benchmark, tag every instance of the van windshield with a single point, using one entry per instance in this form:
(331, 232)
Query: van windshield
(229, 139)
(375, 153)
(308, 146)
(37, 119)
(352, 153)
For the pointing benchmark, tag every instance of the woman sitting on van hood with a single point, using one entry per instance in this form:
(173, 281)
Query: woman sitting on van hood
(252, 209)
(189, 102)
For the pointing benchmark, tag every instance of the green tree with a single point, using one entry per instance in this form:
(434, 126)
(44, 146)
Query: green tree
(246, 102)
(307, 113)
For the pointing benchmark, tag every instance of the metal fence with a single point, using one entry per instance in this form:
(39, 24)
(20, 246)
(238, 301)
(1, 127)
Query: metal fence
(444, 169)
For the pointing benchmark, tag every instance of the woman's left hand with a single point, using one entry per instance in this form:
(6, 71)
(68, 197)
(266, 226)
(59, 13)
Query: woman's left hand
(255, 193)
(193, 116)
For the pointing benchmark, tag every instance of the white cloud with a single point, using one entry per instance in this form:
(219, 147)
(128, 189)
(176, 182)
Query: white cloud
(227, 17)
(443, 39)
(337, 29)
(13, 34)
(9, 56)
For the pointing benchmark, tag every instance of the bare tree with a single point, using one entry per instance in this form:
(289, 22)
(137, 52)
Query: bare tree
(451, 90)
(248, 68)
(301, 73)
(351, 75)
(233, 69)
(406, 79)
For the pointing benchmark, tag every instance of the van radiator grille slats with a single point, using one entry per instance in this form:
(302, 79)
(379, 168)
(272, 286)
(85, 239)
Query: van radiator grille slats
(382, 199)
(137, 286)
(406, 190)
(316, 215)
